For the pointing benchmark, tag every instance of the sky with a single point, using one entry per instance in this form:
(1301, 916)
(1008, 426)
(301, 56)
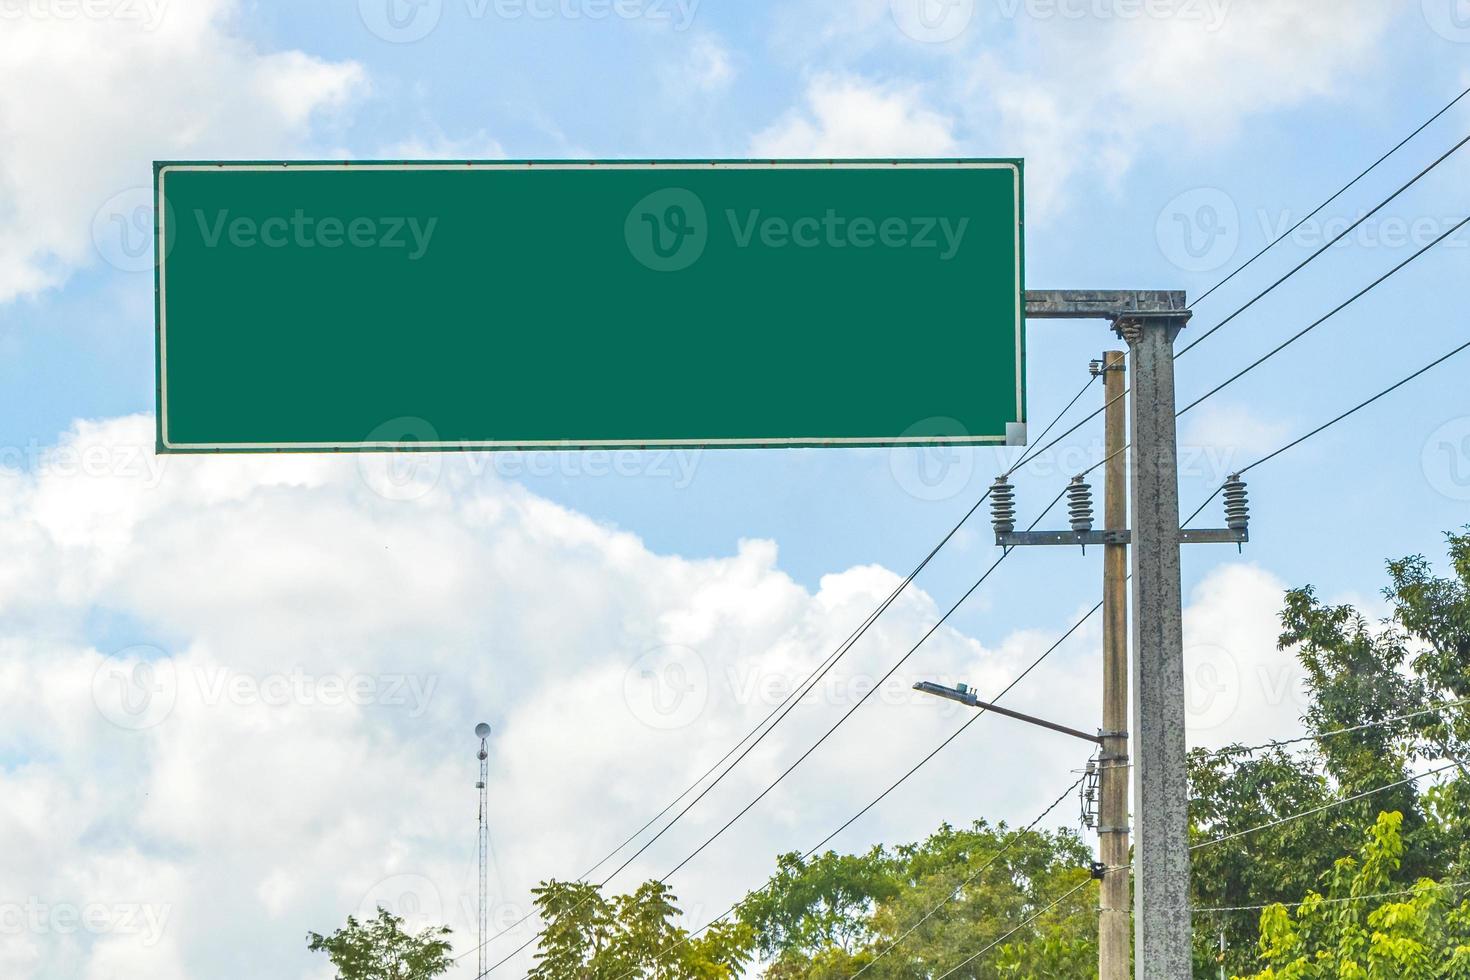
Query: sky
(240, 691)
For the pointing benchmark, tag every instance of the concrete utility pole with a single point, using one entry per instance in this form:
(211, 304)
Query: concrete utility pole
(1115, 941)
(1148, 320)
(1161, 778)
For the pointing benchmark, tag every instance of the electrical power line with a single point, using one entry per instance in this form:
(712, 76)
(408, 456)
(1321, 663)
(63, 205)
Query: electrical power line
(846, 715)
(824, 667)
(791, 698)
(1283, 743)
(1080, 886)
(1260, 361)
(800, 692)
(828, 667)
(1291, 445)
(1234, 750)
(955, 892)
(860, 702)
(1286, 234)
(1425, 125)
(1319, 900)
(1325, 807)
(1335, 239)
(1026, 922)
(1318, 322)
(902, 779)
(1265, 357)
(1329, 424)
(1027, 457)
(963, 598)
(1342, 190)
(816, 676)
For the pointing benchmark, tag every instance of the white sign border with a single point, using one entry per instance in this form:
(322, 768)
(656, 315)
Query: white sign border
(1015, 430)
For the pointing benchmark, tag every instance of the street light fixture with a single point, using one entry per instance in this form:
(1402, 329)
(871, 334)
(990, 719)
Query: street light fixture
(964, 695)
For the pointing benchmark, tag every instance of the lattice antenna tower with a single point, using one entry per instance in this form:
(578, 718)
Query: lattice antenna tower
(482, 732)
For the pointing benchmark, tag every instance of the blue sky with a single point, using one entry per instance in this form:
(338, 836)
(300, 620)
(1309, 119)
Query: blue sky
(560, 87)
(1165, 143)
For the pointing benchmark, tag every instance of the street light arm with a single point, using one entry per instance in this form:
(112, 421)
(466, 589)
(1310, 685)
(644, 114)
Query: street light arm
(964, 696)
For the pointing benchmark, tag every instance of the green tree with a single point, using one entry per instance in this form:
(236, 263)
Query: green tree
(589, 937)
(916, 911)
(920, 909)
(1363, 677)
(1232, 793)
(813, 905)
(1367, 926)
(379, 949)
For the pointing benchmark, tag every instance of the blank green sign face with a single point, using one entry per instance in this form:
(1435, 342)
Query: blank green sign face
(528, 305)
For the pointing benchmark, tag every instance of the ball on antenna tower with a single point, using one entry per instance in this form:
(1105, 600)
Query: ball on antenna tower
(482, 730)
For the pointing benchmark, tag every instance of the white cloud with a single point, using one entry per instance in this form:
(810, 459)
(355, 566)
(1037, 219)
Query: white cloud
(250, 683)
(1220, 437)
(1089, 96)
(111, 87)
(271, 728)
(1238, 686)
(1084, 89)
(438, 146)
(849, 116)
(706, 67)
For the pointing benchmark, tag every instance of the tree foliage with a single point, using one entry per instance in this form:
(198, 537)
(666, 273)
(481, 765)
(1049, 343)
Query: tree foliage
(379, 949)
(916, 911)
(1363, 677)
(945, 898)
(590, 937)
(1368, 925)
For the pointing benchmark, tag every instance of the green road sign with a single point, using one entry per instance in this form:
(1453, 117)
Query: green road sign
(517, 305)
